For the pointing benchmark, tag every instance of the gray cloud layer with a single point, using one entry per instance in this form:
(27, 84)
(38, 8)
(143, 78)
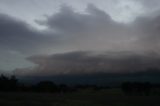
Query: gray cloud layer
(70, 30)
(88, 62)
(19, 36)
(94, 31)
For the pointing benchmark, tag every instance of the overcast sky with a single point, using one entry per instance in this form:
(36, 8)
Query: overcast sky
(79, 36)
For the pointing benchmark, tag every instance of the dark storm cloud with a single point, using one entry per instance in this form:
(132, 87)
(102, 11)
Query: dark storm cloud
(151, 5)
(89, 62)
(91, 31)
(16, 35)
(70, 30)
(69, 20)
(95, 30)
(147, 29)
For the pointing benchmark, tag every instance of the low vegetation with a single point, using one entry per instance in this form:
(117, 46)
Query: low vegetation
(47, 93)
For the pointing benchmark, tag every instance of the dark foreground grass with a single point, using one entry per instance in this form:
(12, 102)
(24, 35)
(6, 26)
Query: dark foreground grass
(110, 97)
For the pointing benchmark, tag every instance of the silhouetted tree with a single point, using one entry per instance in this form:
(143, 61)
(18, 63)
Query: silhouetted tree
(46, 86)
(127, 88)
(8, 84)
(136, 88)
(63, 88)
(13, 82)
(4, 83)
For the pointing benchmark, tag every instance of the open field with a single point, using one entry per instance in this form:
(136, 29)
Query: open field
(110, 97)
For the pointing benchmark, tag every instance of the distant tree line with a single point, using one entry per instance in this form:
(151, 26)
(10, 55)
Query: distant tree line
(8, 84)
(136, 88)
(11, 83)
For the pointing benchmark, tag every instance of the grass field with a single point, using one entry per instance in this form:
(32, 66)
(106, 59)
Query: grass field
(110, 97)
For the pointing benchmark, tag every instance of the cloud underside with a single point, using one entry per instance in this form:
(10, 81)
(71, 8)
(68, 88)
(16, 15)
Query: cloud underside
(89, 62)
(90, 32)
